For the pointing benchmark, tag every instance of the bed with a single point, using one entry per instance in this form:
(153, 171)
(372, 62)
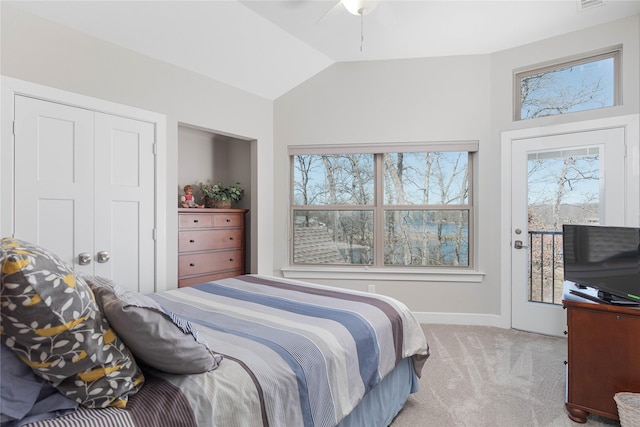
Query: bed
(278, 352)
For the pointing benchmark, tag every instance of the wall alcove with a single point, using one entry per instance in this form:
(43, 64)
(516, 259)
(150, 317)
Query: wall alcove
(208, 155)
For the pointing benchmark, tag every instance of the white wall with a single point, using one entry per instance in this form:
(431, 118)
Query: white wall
(42, 52)
(431, 99)
(209, 157)
(624, 32)
(195, 154)
(451, 98)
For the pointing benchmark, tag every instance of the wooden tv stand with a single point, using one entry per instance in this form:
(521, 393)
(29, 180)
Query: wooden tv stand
(603, 355)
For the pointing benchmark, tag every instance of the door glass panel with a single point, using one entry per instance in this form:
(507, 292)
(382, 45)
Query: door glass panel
(563, 188)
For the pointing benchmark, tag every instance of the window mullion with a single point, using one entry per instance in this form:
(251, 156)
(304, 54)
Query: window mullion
(378, 214)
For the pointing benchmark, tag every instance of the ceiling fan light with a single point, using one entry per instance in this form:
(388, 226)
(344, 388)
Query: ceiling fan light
(359, 7)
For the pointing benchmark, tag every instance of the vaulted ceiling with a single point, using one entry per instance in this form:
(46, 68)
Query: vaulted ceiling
(269, 47)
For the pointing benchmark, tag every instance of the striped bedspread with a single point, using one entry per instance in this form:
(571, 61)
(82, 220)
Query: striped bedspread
(295, 354)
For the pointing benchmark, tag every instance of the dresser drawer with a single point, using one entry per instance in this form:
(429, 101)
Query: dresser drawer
(195, 221)
(204, 240)
(228, 220)
(190, 264)
(211, 244)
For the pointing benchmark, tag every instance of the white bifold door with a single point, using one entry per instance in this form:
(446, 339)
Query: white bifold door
(84, 189)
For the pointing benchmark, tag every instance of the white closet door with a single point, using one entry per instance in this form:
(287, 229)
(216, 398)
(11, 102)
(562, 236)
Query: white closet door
(85, 184)
(124, 202)
(54, 178)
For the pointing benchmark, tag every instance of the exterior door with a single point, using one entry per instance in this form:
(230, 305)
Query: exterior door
(568, 178)
(84, 186)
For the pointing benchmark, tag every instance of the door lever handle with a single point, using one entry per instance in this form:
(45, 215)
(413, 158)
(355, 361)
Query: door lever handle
(518, 244)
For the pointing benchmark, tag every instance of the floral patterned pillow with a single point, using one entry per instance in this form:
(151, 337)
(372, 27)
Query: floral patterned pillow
(49, 318)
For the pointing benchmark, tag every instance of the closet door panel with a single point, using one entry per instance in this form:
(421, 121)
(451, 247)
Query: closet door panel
(85, 183)
(53, 184)
(55, 219)
(124, 266)
(124, 203)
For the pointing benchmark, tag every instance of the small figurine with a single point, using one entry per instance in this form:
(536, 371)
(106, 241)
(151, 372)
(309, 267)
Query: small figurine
(187, 200)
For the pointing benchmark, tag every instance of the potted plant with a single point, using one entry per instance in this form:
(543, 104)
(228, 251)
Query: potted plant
(220, 196)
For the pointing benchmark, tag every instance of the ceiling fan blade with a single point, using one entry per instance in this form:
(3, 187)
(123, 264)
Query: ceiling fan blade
(330, 10)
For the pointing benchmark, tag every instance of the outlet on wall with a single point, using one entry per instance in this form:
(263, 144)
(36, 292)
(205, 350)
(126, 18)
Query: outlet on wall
(371, 289)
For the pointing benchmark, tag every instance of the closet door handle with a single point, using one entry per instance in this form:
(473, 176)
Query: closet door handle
(103, 256)
(84, 258)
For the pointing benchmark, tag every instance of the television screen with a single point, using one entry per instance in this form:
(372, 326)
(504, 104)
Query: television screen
(604, 258)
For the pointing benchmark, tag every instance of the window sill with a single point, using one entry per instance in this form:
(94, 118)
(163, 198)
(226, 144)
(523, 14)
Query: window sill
(413, 275)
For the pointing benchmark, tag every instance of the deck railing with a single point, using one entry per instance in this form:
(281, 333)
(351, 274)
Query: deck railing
(546, 269)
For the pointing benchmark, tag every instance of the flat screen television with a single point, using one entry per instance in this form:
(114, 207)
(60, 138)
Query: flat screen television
(604, 258)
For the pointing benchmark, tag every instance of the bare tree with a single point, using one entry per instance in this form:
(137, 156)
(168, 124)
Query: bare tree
(552, 183)
(544, 94)
(401, 234)
(426, 252)
(412, 236)
(331, 181)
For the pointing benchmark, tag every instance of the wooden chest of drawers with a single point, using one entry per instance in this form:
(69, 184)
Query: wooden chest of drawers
(603, 349)
(211, 244)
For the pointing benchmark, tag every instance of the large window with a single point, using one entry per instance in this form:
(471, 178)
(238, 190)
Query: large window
(368, 205)
(578, 85)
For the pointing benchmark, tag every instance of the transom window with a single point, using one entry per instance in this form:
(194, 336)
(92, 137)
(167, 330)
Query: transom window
(584, 84)
(378, 206)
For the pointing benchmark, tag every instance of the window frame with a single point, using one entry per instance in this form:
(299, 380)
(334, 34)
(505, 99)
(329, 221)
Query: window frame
(614, 53)
(378, 208)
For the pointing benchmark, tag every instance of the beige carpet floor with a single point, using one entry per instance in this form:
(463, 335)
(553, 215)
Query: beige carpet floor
(482, 376)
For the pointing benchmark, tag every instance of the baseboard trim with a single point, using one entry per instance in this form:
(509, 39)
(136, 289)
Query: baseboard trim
(463, 319)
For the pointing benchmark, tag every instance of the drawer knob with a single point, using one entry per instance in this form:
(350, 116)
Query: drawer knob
(230, 238)
(192, 264)
(228, 220)
(230, 259)
(192, 241)
(196, 221)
